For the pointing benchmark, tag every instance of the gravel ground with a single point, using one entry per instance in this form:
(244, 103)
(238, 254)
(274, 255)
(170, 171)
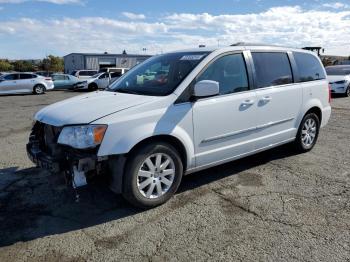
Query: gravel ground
(274, 206)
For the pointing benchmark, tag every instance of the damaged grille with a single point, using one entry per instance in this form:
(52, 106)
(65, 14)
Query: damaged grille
(46, 137)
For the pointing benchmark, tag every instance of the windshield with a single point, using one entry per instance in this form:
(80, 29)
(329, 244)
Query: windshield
(159, 75)
(338, 71)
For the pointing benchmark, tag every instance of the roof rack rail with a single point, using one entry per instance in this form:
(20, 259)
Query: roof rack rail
(251, 44)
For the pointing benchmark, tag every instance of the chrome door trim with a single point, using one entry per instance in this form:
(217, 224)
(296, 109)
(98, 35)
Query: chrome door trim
(220, 137)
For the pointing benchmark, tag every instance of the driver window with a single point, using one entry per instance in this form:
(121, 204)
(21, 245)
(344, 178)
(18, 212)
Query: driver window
(230, 72)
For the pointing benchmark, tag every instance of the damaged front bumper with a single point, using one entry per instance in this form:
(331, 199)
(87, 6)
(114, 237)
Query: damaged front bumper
(79, 166)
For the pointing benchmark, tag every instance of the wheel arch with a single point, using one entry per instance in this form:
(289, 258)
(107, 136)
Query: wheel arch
(317, 111)
(118, 163)
(172, 140)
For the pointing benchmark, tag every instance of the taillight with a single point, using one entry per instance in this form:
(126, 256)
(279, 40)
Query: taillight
(329, 93)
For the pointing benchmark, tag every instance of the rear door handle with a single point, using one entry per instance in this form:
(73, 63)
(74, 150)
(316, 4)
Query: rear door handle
(248, 102)
(266, 99)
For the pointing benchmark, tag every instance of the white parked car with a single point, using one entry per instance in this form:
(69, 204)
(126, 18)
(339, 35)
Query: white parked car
(339, 79)
(19, 83)
(202, 108)
(98, 81)
(84, 74)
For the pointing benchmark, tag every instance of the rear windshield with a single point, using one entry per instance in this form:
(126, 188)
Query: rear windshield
(338, 71)
(159, 75)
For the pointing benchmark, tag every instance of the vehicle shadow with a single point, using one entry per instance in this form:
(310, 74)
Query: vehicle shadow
(35, 204)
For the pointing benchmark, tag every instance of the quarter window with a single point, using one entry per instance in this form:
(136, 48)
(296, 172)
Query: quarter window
(272, 69)
(230, 72)
(309, 67)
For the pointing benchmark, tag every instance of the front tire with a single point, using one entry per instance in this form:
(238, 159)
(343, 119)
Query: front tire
(347, 92)
(92, 87)
(39, 89)
(308, 133)
(152, 175)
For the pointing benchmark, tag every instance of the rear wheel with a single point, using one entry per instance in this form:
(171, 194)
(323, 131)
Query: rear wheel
(307, 133)
(152, 176)
(39, 89)
(347, 92)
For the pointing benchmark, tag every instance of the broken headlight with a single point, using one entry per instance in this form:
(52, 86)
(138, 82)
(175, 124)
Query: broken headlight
(82, 137)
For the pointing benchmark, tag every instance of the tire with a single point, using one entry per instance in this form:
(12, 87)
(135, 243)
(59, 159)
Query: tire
(39, 89)
(347, 92)
(92, 87)
(308, 133)
(145, 188)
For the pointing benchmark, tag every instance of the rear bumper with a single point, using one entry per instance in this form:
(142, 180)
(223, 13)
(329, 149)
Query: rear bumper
(326, 114)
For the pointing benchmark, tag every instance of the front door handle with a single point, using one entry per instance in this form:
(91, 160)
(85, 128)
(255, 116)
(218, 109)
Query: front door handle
(266, 99)
(248, 102)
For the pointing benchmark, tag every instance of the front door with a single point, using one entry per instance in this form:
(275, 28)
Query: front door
(225, 125)
(9, 84)
(103, 81)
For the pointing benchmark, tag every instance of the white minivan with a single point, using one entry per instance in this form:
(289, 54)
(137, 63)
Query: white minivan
(200, 108)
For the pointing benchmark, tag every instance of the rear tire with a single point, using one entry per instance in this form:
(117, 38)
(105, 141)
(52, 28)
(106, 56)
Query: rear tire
(39, 89)
(152, 175)
(308, 133)
(347, 92)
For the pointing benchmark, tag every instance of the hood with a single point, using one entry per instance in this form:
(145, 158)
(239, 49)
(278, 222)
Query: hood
(332, 78)
(87, 108)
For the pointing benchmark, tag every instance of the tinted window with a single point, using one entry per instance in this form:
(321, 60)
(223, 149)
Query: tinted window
(11, 77)
(309, 67)
(58, 77)
(87, 73)
(116, 74)
(26, 76)
(231, 73)
(272, 69)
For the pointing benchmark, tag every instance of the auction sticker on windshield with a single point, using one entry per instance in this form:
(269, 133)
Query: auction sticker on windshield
(192, 57)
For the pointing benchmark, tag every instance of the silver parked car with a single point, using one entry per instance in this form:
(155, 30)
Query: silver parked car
(19, 83)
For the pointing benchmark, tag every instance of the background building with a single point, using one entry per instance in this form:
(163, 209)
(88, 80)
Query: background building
(95, 61)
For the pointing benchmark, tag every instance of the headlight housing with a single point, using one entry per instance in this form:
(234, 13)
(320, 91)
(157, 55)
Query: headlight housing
(82, 137)
(340, 82)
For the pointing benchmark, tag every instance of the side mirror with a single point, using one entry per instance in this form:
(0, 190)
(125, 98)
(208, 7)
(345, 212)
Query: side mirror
(206, 88)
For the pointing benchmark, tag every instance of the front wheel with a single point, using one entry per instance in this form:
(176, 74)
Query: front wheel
(153, 174)
(347, 92)
(307, 133)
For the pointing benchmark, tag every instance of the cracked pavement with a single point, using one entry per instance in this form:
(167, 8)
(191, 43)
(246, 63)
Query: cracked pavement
(274, 206)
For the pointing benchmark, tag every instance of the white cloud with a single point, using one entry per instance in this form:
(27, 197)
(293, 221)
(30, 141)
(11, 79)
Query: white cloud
(289, 26)
(59, 2)
(134, 16)
(336, 5)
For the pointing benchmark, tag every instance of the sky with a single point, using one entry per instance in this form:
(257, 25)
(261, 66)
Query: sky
(31, 29)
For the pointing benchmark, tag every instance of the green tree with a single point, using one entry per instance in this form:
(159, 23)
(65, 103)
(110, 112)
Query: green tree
(52, 63)
(23, 66)
(5, 65)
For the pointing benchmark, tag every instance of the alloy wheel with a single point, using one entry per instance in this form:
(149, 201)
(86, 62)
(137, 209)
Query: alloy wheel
(156, 175)
(308, 133)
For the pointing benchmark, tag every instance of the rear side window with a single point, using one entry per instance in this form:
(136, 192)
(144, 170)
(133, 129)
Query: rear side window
(309, 67)
(26, 76)
(272, 69)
